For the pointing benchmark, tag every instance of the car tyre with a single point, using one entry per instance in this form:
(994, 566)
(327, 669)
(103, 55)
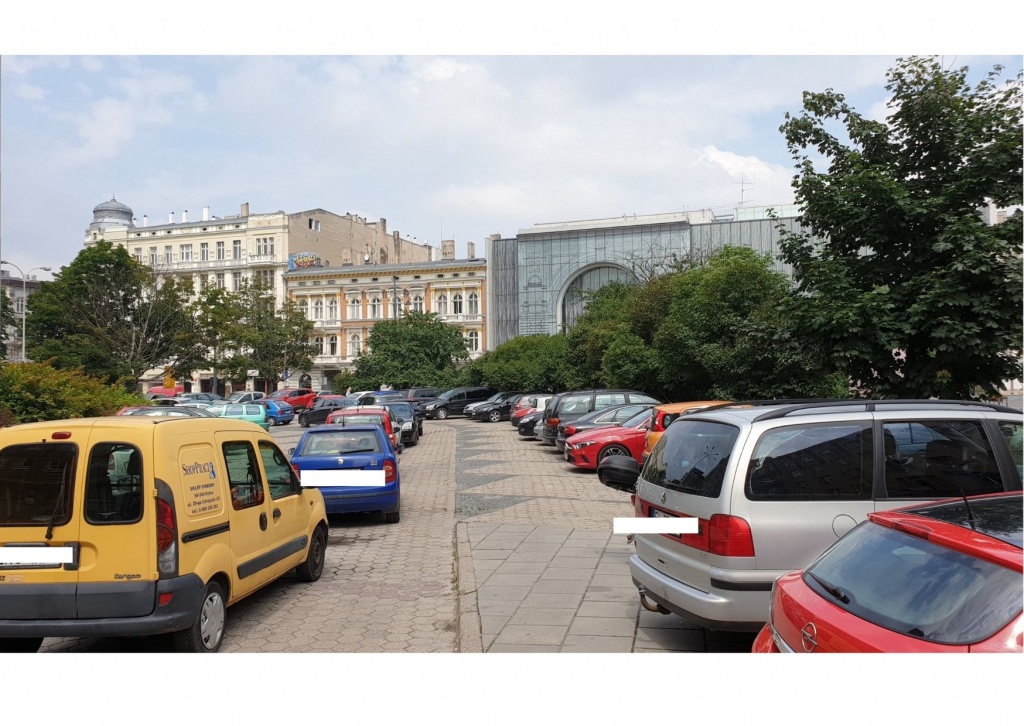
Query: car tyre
(441, 414)
(303, 421)
(313, 567)
(206, 634)
(494, 416)
(20, 645)
(613, 450)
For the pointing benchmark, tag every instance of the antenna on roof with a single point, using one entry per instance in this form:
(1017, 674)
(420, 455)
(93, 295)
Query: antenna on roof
(743, 189)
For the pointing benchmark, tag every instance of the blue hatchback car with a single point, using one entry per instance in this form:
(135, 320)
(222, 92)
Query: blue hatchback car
(278, 412)
(354, 467)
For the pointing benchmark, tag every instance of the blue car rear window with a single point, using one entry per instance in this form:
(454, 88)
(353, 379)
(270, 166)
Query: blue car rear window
(340, 443)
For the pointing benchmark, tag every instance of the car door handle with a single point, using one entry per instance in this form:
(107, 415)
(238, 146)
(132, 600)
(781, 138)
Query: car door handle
(277, 513)
(263, 521)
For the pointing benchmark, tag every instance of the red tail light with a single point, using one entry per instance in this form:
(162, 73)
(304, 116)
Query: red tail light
(166, 527)
(389, 472)
(552, 422)
(298, 473)
(570, 430)
(730, 536)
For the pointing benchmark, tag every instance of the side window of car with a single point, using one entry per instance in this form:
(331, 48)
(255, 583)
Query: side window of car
(459, 397)
(1011, 431)
(812, 462)
(604, 400)
(281, 479)
(937, 459)
(243, 475)
(113, 489)
(253, 410)
(641, 398)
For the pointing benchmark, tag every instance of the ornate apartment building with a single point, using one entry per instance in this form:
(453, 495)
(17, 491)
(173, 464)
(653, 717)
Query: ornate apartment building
(345, 301)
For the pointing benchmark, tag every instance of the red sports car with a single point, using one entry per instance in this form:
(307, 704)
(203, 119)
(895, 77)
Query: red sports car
(943, 577)
(587, 448)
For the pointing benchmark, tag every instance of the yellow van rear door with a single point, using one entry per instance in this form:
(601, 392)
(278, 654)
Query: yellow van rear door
(118, 572)
(40, 498)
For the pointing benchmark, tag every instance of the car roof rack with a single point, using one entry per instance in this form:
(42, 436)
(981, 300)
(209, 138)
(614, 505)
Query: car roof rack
(793, 406)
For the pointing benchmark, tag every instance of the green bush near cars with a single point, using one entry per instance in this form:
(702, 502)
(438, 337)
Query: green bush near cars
(40, 392)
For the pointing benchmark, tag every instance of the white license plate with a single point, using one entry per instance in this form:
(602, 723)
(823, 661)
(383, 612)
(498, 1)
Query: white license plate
(14, 555)
(343, 478)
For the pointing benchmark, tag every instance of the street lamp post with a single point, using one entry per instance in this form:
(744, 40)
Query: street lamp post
(24, 300)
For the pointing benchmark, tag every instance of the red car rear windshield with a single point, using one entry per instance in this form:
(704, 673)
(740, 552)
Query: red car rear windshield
(915, 587)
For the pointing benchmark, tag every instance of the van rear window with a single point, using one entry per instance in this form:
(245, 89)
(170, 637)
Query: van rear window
(37, 484)
(692, 457)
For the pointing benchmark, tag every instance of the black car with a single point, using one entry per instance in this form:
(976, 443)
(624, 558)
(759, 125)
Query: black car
(527, 422)
(454, 401)
(322, 407)
(500, 409)
(571, 405)
(611, 416)
(405, 413)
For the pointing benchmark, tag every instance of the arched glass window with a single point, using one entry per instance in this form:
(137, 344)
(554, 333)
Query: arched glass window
(375, 307)
(354, 345)
(332, 345)
(442, 305)
(332, 309)
(474, 341)
(474, 304)
(353, 309)
(574, 302)
(417, 303)
(304, 307)
(319, 343)
(318, 310)
(457, 304)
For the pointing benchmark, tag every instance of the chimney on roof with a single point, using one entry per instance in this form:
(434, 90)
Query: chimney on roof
(245, 209)
(170, 218)
(145, 220)
(206, 214)
(448, 249)
(184, 216)
(471, 250)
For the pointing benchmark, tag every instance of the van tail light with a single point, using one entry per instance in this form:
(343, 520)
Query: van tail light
(389, 472)
(570, 430)
(730, 536)
(166, 538)
(552, 422)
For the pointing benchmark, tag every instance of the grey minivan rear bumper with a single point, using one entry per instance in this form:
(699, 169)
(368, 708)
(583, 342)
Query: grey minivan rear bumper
(724, 610)
(180, 613)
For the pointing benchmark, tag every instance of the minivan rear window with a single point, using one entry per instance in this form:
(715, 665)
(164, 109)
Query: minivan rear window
(915, 587)
(692, 458)
(37, 483)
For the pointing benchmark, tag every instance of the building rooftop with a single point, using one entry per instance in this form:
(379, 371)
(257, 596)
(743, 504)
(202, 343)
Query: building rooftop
(381, 270)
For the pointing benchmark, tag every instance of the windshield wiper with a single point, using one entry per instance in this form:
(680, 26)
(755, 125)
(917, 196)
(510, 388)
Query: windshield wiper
(831, 589)
(357, 451)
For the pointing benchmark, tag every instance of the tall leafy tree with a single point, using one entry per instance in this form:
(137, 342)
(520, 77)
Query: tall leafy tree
(525, 363)
(6, 318)
(202, 342)
(899, 276)
(105, 313)
(416, 350)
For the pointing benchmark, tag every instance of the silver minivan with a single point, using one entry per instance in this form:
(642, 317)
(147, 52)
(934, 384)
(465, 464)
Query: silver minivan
(773, 485)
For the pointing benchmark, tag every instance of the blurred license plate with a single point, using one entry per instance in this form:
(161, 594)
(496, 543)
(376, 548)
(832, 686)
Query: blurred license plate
(659, 513)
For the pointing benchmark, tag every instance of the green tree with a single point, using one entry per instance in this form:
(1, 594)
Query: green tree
(524, 363)
(40, 392)
(107, 314)
(6, 318)
(907, 287)
(266, 337)
(605, 319)
(416, 350)
(202, 342)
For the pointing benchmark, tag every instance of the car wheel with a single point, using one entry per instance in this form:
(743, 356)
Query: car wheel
(613, 450)
(207, 633)
(494, 416)
(303, 421)
(20, 645)
(441, 413)
(313, 567)
(392, 517)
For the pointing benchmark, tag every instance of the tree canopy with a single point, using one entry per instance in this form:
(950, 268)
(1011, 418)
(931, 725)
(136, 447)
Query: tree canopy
(900, 278)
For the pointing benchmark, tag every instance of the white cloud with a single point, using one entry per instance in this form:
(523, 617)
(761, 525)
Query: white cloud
(29, 92)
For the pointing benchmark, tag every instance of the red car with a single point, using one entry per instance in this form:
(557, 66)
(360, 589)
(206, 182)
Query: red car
(368, 415)
(587, 448)
(297, 398)
(943, 577)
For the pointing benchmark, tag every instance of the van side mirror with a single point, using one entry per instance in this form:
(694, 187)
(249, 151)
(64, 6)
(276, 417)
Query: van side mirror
(619, 473)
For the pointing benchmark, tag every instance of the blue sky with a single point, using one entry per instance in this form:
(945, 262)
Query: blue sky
(459, 144)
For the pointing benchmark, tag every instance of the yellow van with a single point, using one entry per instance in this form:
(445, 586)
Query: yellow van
(138, 525)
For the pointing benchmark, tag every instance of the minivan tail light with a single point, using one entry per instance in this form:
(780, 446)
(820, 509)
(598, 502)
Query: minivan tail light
(166, 527)
(552, 422)
(389, 472)
(730, 536)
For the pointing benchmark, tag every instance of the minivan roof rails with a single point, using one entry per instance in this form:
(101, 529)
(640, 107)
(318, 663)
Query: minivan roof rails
(791, 406)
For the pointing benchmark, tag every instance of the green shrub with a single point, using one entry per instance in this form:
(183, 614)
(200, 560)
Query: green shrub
(40, 392)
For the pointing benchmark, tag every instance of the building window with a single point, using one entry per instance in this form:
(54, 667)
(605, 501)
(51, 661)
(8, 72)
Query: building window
(442, 305)
(264, 245)
(152, 256)
(474, 341)
(220, 250)
(220, 280)
(318, 310)
(204, 251)
(19, 305)
(204, 282)
(138, 254)
(267, 278)
(319, 343)
(332, 309)
(236, 249)
(236, 281)
(457, 305)
(375, 307)
(186, 253)
(353, 309)
(332, 345)
(168, 254)
(354, 346)
(314, 224)
(474, 304)
(304, 307)
(417, 304)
